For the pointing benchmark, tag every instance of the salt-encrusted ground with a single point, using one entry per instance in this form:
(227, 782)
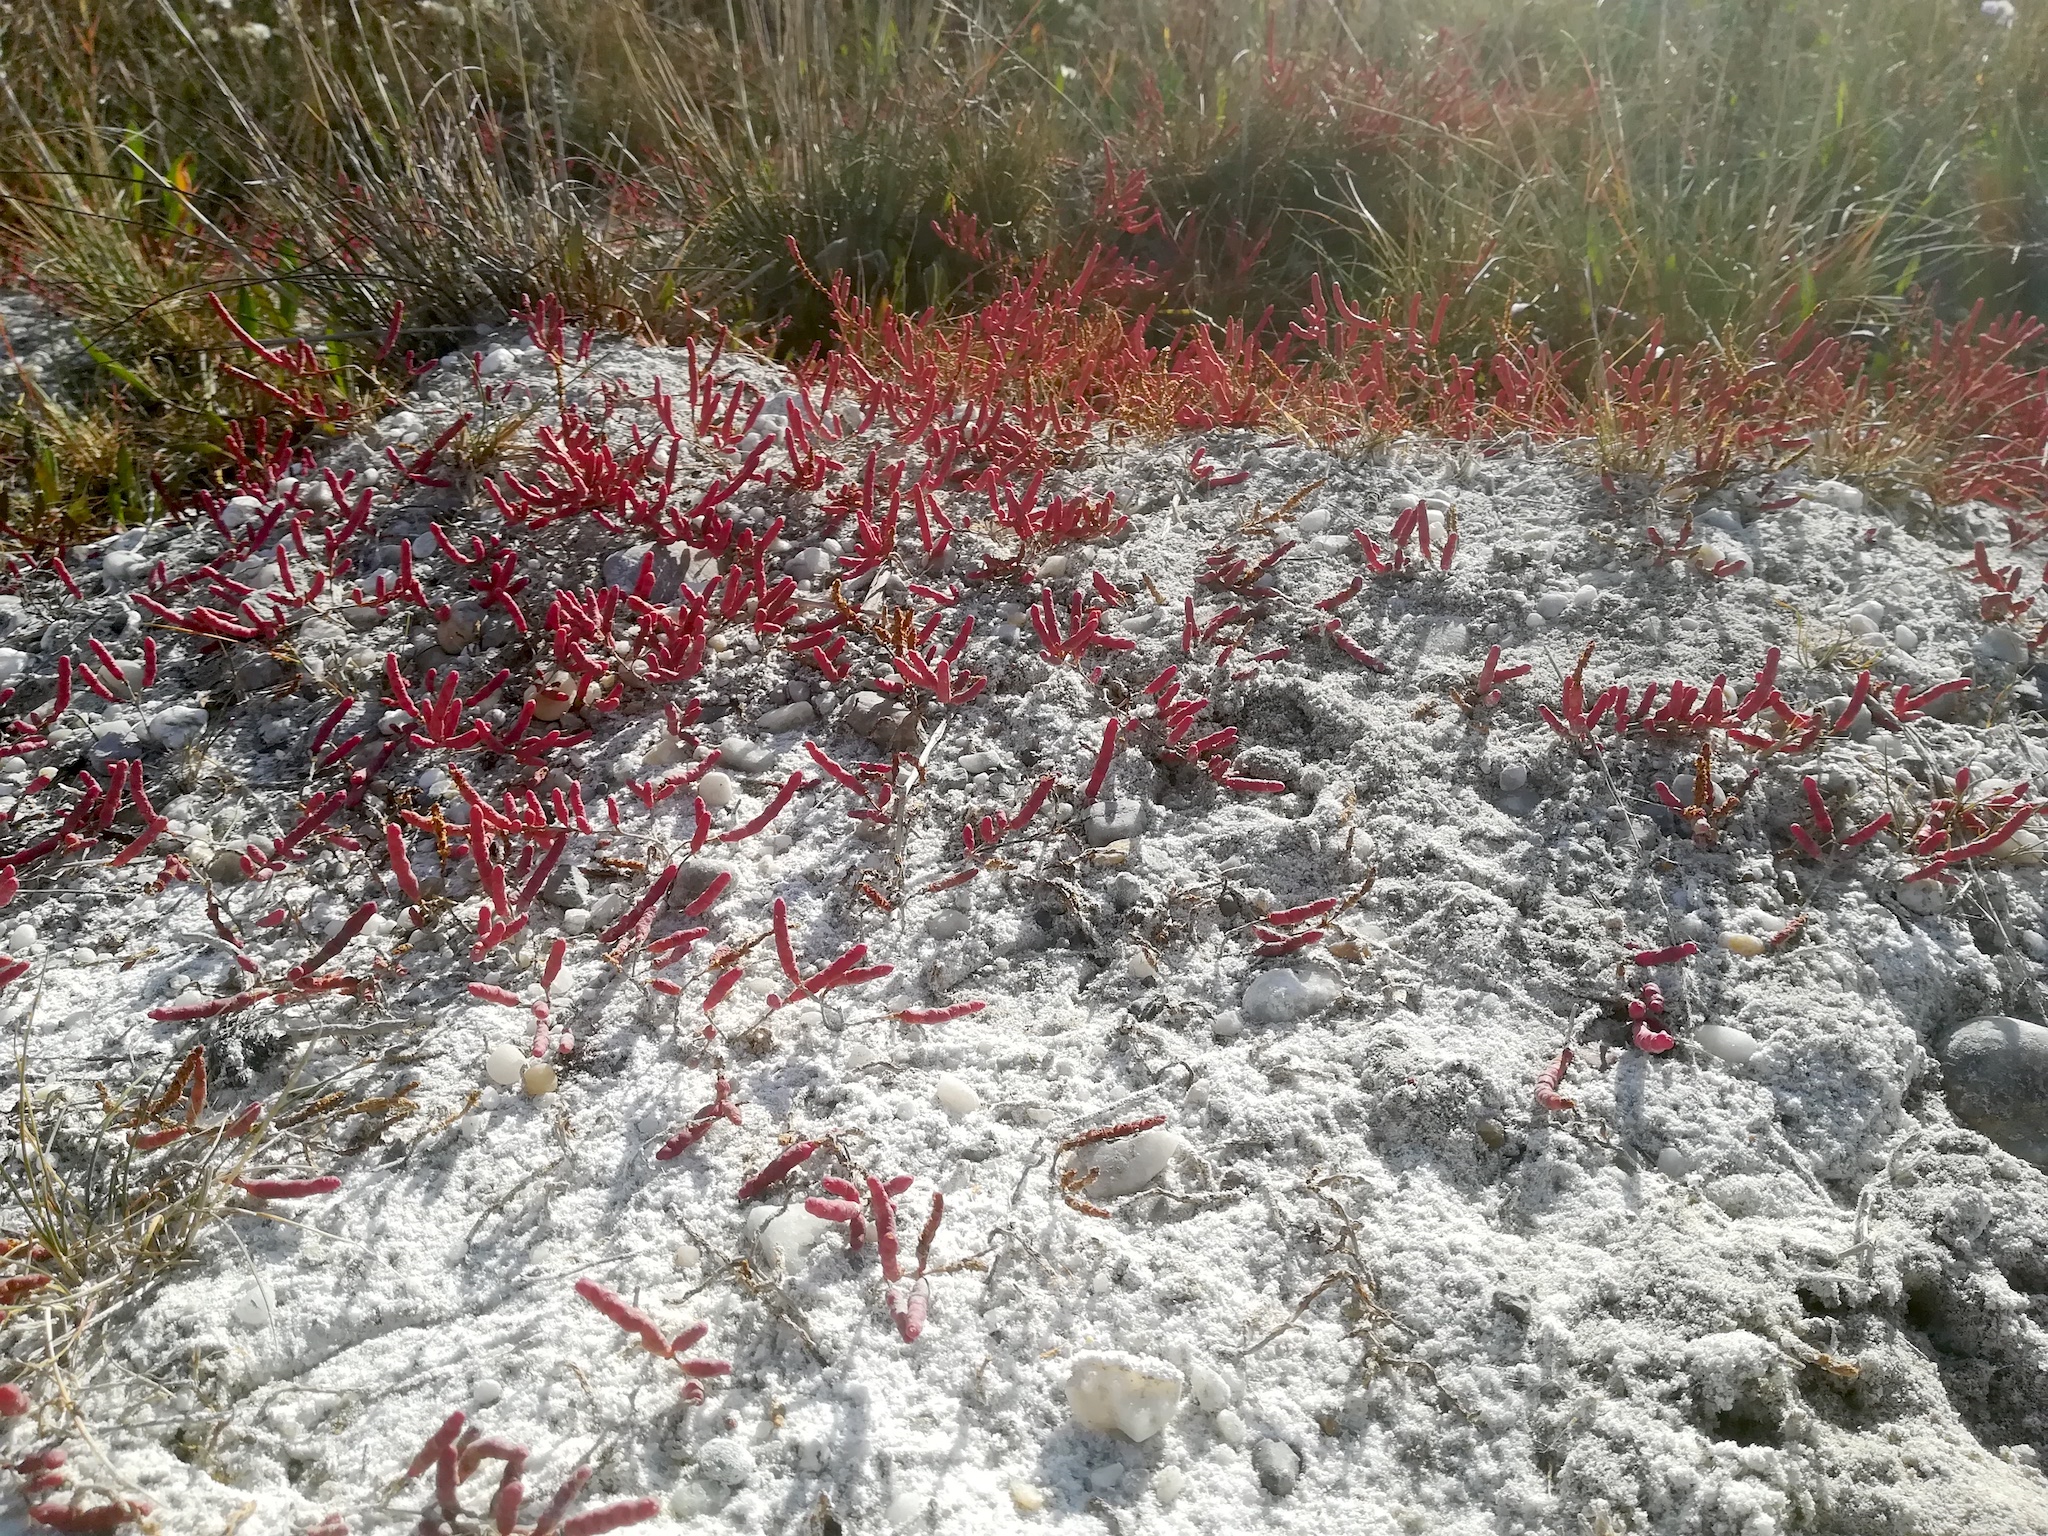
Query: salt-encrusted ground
(1785, 1294)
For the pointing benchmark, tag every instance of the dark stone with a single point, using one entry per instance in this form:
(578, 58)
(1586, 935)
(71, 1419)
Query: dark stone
(622, 569)
(1995, 1071)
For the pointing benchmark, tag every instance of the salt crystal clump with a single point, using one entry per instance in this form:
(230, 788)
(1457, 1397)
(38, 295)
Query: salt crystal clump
(1211, 1388)
(1287, 996)
(1131, 1394)
(726, 1461)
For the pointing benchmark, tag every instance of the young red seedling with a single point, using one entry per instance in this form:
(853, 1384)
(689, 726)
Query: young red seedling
(1669, 955)
(1816, 842)
(778, 1168)
(1486, 687)
(289, 1189)
(1551, 1080)
(1646, 1015)
(941, 1015)
(721, 1107)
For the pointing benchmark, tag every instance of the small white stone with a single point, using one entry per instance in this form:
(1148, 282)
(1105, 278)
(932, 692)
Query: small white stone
(1227, 1025)
(956, 1095)
(1673, 1164)
(1514, 776)
(503, 1063)
(1725, 1042)
(1170, 1484)
(255, 1306)
(539, 1078)
(716, 790)
(575, 920)
(487, 1391)
(1028, 1498)
(688, 1255)
(1552, 605)
(1906, 638)
(1124, 1167)
(1862, 626)
(1585, 597)
(1844, 497)
(1230, 1427)
(496, 361)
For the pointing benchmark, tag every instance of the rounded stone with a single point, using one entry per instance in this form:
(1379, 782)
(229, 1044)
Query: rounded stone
(2001, 646)
(1278, 1466)
(1995, 1073)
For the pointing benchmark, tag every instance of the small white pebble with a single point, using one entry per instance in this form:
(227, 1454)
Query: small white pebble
(1230, 1427)
(503, 1064)
(1028, 1498)
(1551, 605)
(1906, 638)
(903, 1509)
(716, 790)
(1514, 776)
(538, 1079)
(1170, 1484)
(956, 1096)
